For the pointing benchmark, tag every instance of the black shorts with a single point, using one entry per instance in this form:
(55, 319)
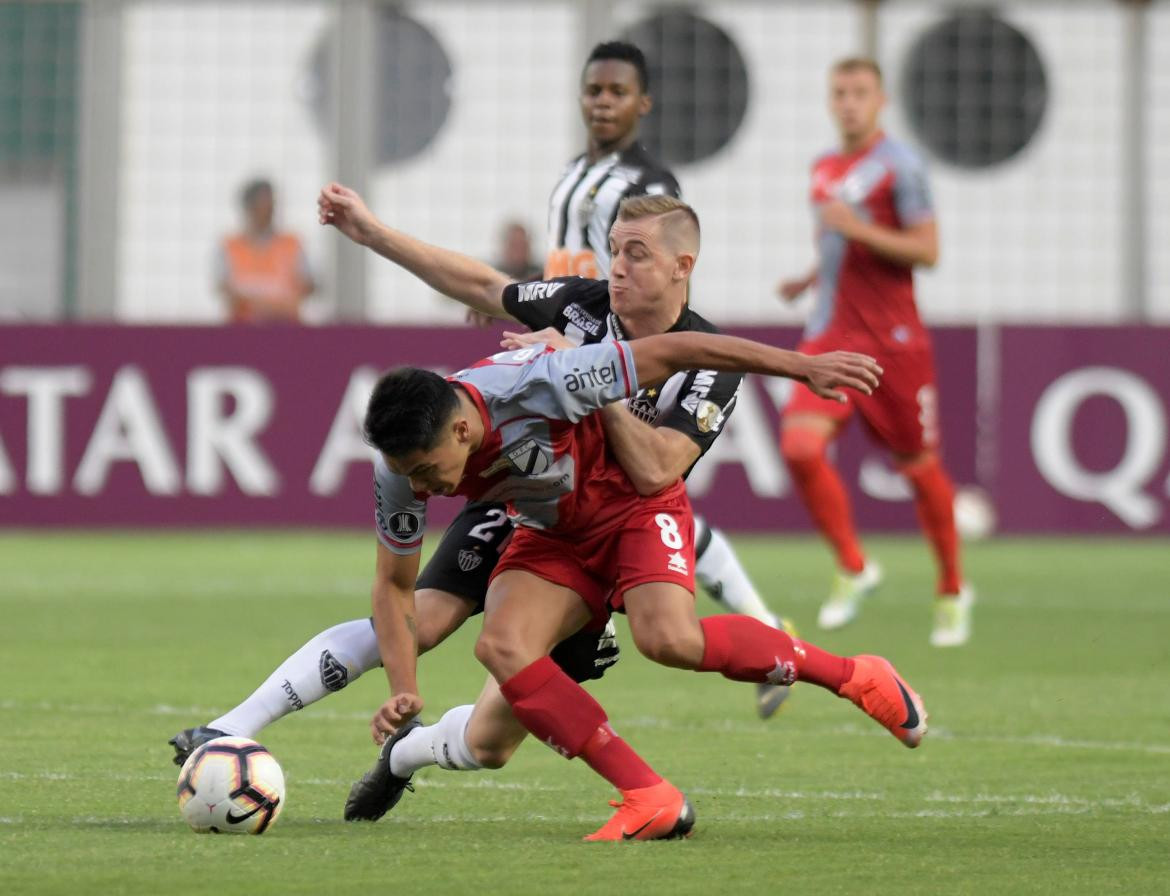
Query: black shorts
(463, 563)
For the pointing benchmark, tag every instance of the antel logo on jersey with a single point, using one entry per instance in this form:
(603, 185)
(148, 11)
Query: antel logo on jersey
(404, 525)
(593, 377)
(528, 458)
(530, 292)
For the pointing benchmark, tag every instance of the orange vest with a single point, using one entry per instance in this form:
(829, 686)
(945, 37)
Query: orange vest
(270, 269)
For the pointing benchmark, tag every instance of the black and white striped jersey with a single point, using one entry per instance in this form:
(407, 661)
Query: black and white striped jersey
(584, 205)
(694, 402)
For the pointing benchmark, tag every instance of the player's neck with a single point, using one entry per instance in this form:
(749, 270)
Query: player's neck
(851, 145)
(595, 150)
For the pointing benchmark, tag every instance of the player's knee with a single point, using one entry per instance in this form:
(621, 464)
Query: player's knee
(675, 646)
(501, 655)
(492, 756)
(799, 445)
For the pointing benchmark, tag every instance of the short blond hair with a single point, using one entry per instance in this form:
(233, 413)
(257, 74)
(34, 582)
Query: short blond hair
(678, 218)
(852, 64)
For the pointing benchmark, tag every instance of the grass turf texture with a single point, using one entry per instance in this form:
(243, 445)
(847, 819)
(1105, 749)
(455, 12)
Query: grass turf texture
(1047, 769)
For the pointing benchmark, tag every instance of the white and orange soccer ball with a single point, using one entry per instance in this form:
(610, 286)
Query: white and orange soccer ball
(231, 785)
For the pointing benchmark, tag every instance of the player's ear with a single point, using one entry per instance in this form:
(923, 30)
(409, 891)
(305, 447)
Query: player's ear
(645, 104)
(684, 263)
(462, 430)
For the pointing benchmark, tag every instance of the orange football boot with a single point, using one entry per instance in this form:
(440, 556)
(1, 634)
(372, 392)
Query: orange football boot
(881, 694)
(659, 812)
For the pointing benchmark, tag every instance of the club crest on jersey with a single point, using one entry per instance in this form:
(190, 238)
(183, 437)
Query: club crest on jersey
(530, 292)
(643, 407)
(469, 560)
(528, 458)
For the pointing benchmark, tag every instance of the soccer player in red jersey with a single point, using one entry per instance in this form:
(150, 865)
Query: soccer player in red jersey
(876, 223)
(586, 542)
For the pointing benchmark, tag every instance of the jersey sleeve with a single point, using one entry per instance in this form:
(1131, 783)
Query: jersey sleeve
(707, 397)
(571, 384)
(540, 303)
(399, 514)
(912, 197)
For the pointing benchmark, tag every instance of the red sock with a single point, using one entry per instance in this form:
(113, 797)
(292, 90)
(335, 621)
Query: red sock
(823, 493)
(562, 715)
(744, 649)
(934, 497)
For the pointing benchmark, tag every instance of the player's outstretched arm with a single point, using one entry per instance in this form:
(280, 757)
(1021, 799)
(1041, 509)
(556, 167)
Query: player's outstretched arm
(392, 601)
(460, 277)
(656, 358)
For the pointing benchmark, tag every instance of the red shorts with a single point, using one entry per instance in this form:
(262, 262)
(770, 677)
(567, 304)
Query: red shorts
(902, 412)
(653, 542)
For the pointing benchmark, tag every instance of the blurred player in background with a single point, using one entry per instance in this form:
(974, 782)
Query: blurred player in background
(263, 274)
(614, 99)
(515, 255)
(876, 223)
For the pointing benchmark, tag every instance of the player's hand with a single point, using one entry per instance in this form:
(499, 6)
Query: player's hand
(827, 374)
(549, 336)
(840, 217)
(393, 714)
(478, 319)
(791, 290)
(345, 210)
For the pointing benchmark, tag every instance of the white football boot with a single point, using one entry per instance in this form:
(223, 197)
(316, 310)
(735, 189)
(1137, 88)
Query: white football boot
(952, 618)
(848, 592)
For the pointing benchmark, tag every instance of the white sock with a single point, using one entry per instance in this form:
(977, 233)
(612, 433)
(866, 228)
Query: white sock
(443, 744)
(719, 572)
(325, 664)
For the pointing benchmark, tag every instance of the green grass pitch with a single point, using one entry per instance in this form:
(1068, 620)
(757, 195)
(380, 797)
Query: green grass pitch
(1047, 769)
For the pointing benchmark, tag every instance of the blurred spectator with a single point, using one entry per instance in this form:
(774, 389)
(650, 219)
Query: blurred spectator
(263, 274)
(515, 256)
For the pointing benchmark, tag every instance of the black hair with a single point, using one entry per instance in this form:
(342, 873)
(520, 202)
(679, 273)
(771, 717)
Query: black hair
(623, 52)
(407, 410)
(254, 188)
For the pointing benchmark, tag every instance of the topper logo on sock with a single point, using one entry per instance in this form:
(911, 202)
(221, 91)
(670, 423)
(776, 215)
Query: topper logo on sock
(334, 674)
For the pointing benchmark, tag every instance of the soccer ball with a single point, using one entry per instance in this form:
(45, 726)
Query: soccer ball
(974, 513)
(231, 785)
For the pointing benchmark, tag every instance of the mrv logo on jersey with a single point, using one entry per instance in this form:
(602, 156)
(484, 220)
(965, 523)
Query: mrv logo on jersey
(593, 377)
(529, 292)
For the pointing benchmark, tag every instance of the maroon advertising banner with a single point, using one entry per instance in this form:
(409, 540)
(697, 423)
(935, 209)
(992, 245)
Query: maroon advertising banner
(1081, 429)
(201, 426)
(195, 426)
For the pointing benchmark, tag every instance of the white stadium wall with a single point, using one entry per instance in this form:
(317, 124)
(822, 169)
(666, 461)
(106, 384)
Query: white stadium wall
(214, 93)
(1158, 164)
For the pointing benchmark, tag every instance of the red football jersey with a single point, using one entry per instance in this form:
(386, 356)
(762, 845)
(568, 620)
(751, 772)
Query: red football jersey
(864, 300)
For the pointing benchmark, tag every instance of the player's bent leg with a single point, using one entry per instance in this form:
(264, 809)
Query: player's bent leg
(560, 713)
(664, 625)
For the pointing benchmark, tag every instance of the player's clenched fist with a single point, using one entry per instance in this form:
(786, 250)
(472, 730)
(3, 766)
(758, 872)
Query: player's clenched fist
(826, 373)
(345, 210)
(393, 714)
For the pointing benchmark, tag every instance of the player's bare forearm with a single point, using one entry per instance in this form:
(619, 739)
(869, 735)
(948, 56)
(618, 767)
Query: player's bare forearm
(458, 276)
(912, 247)
(656, 358)
(652, 458)
(394, 626)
